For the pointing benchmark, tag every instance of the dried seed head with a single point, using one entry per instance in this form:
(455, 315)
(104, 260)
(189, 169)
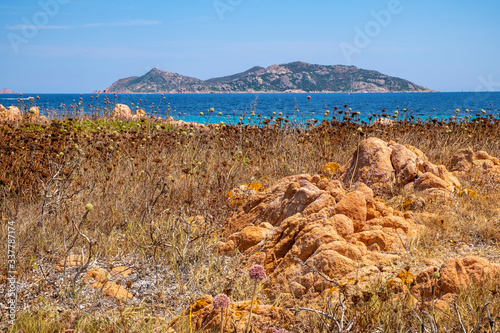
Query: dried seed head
(221, 301)
(257, 272)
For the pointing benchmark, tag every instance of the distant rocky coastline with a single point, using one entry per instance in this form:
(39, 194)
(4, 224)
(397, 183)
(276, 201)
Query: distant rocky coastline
(295, 77)
(7, 91)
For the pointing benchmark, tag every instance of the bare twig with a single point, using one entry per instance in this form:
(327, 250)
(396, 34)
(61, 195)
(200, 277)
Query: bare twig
(339, 323)
(422, 325)
(335, 282)
(459, 316)
(188, 237)
(481, 316)
(342, 305)
(356, 164)
(491, 320)
(83, 267)
(120, 308)
(434, 328)
(313, 310)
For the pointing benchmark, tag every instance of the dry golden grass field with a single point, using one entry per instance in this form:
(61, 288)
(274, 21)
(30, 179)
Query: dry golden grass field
(118, 227)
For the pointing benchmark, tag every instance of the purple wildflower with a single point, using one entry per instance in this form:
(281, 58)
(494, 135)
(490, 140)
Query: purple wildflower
(221, 301)
(257, 272)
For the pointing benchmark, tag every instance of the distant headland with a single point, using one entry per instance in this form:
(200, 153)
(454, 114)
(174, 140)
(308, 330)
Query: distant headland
(7, 91)
(295, 77)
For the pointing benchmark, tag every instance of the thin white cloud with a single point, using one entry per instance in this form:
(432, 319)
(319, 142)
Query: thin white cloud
(117, 52)
(42, 27)
(200, 19)
(9, 7)
(87, 25)
(121, 24)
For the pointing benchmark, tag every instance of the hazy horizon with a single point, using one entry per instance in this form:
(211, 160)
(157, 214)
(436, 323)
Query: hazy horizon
(69, 46)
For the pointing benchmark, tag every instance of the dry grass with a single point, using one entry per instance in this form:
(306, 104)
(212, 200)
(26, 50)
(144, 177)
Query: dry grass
(147, 181)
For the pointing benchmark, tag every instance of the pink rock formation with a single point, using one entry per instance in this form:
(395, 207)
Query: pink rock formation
(139, 115)
(382, 163)
(11, 114)
(308, 231)
(453, 276)
(372, 164)
(123, 112)
(35, 118)
(202, 317)
(483, 166)
(383, 122)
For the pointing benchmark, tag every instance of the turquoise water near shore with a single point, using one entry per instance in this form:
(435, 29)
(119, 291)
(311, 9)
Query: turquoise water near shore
(234, 106)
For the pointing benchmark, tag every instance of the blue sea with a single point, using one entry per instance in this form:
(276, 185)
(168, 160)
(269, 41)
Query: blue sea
(233, 106)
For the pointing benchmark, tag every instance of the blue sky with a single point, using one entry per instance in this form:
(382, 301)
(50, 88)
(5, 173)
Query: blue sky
(81, 45)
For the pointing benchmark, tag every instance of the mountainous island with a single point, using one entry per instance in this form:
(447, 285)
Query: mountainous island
(7, 91)
(293, 77)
